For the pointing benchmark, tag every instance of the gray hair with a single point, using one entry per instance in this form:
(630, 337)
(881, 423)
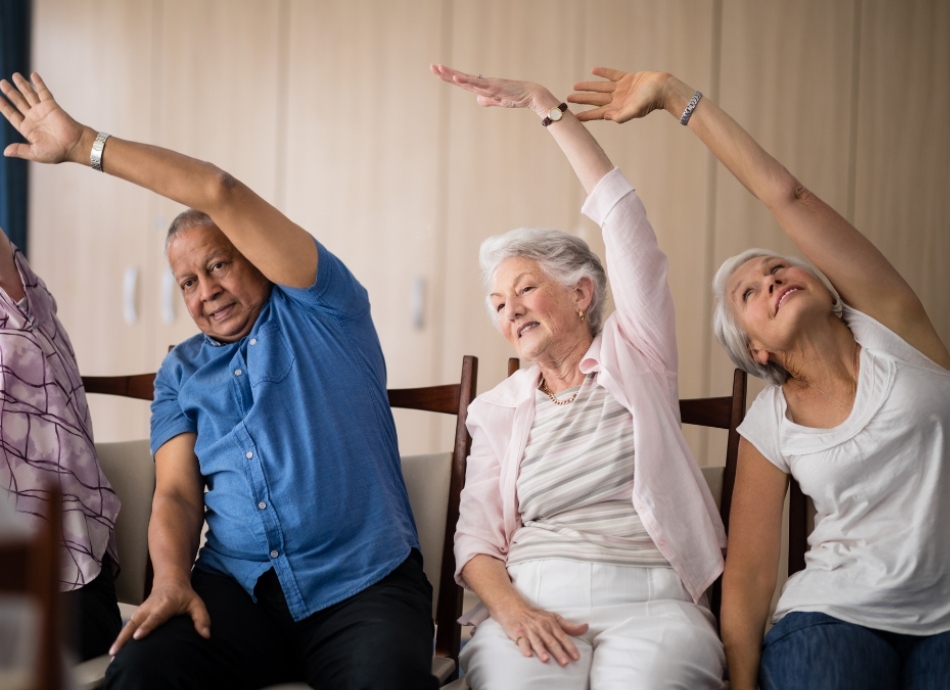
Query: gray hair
(186, 220)
(729, 333)
(564, 257)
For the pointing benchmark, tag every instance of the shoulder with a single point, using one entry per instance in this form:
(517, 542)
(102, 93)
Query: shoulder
(762, 426)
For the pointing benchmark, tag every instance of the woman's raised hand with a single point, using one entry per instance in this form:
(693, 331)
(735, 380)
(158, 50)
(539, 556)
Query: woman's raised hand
(623, 96)
(52, 134)
(503, 93)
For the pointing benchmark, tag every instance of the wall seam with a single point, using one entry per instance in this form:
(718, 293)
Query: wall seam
(853, 119)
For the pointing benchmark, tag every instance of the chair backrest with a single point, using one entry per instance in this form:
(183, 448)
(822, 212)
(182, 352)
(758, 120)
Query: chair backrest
(29, 566)
(434, 483)
(130, 470)
(725, 412)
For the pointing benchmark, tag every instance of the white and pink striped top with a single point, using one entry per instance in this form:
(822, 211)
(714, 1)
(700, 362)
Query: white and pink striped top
(575, 484)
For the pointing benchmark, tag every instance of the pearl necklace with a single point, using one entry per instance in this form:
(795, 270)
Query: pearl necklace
(555, 400)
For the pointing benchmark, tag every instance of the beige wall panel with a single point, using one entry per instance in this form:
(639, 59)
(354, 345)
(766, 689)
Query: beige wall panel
(902, 166)
(218, 100)
(364, 118)
(786, 77)
(504, 170)
(86, 229)
(667, 164)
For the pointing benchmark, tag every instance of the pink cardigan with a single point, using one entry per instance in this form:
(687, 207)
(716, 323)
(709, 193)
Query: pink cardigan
(635, 358)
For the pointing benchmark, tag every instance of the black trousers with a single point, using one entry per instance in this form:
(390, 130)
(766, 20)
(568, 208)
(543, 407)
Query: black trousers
(92, 615)
(378, 638)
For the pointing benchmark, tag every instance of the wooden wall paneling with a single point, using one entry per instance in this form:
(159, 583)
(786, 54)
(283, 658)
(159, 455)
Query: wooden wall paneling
(667, 164)
(504, 171)
(786, 76)
(363, 122)
(217, 82)
(86, 229)
(902, 153)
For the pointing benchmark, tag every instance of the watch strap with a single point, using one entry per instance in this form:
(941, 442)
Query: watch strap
(98, 146)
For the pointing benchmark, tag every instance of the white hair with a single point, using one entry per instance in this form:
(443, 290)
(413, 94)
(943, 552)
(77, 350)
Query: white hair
(186, 220)
(729, 333)
(564, 257)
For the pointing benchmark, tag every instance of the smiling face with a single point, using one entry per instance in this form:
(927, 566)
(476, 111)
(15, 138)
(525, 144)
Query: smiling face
(223, 291)
(772, 300)
(535, 313)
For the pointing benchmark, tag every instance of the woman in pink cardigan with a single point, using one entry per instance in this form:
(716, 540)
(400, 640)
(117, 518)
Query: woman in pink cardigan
(586, 528)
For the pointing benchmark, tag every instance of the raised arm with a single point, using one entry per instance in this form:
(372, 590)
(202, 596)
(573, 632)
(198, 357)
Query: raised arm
(585, 155)
(863, 276)
(173, 534)
(283, 251)
(10, 281)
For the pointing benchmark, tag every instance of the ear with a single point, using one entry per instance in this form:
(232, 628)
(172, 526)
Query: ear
(583, 293)
(759, 354)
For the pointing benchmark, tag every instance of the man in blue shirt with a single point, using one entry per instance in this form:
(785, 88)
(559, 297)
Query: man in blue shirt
(311, 570)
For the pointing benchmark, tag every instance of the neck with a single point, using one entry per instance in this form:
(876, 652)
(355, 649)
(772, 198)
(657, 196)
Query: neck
(825, 359)
(563, 371)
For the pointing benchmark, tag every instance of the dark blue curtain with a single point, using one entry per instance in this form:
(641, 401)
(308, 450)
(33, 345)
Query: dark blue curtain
(14, 57)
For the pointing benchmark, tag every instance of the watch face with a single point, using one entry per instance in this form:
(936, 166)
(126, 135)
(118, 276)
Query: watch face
(555, 114)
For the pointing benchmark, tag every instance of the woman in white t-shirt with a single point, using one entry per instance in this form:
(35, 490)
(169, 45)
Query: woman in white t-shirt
(858, 412)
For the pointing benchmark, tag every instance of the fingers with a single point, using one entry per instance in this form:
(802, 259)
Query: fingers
(41, 89)
(594, 114)
(124, 636)
(608, 73)
(546, 644)
(595, 86)
(16, 99)
(573, 629)
(199, 615)
(26, 88)
(597, 99)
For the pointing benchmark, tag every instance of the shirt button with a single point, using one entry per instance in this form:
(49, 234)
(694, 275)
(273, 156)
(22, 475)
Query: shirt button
(262, 505)
(273, 554)
(238, 372)
(253, 341)
(249, 455)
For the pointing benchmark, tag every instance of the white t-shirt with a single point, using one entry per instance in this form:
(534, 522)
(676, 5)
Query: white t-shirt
(879, 555)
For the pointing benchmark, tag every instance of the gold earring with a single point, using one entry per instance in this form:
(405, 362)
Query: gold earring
(581, 314)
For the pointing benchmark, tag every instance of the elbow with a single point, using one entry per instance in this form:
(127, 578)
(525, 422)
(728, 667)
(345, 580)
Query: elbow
(219, 190)
(786, 191)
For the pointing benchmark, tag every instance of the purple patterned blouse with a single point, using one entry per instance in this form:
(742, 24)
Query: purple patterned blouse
(46, 432)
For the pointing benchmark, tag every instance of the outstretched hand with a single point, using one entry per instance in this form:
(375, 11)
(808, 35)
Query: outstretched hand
(492, 91)
(52, 134)
(623, 96)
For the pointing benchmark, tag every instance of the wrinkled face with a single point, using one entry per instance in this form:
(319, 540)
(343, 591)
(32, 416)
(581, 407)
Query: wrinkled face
(223, 291)
(772, 300)
(535, 313)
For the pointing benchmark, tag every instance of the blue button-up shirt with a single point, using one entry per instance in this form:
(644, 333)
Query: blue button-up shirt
(296, 444)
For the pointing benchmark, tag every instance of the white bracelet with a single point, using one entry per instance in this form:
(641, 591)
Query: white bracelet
(690, 107)
(98, 146)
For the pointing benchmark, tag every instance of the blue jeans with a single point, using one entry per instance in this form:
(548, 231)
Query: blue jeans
(818, 652)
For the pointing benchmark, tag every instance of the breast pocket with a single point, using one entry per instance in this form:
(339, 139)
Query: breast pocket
(269, 356)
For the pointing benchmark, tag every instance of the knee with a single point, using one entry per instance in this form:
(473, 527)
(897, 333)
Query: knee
(155, 661)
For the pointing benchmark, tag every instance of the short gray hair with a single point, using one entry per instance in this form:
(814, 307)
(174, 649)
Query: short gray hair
(186, 220)
(729, 333)
(564, 257)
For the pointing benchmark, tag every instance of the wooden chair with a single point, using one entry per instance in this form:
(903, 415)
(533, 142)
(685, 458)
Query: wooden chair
(724, 412)
(434, 483)
(29, 566)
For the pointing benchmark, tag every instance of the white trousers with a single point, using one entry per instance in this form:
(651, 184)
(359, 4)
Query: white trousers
(645, 632)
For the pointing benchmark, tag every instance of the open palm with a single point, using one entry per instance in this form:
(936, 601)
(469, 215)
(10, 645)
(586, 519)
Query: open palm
(623, 96)
(52, 135)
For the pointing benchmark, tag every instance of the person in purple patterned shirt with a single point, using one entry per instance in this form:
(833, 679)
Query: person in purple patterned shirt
(46, 438)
